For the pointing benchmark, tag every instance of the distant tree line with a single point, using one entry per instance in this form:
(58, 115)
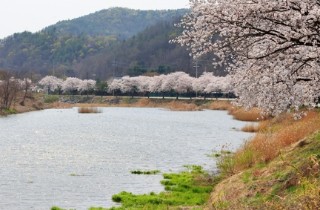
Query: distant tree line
(16, 90)
(173, 84)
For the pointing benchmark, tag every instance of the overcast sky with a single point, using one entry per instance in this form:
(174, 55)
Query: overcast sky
(33, 15)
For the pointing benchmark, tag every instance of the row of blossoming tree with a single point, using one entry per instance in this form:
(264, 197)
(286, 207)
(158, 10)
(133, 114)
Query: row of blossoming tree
(177, 83)
(70, 85)
(272, 48)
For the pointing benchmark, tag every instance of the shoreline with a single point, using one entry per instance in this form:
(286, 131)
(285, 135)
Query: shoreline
(40, 102)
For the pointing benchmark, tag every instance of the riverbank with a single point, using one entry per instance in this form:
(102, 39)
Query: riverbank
(41, 101)
(277, 169)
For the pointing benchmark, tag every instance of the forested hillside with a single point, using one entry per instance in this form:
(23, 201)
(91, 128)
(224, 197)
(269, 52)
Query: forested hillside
(44, 51)
(113, 42)
(120, 22)
(147, 52)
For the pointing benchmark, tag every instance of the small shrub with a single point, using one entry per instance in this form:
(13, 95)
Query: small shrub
(226, 163)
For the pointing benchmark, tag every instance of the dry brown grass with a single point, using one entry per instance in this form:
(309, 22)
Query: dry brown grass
(246, 115)
(238, 113)
(174, 105)
(250, 128)
(219, 105)
(145, 102)
(279, 133)
(182, 106)
(89, 110)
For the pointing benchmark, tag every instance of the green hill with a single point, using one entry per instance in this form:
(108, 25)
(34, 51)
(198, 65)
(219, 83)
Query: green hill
(148, 51)
(120, 22)
(113, 42)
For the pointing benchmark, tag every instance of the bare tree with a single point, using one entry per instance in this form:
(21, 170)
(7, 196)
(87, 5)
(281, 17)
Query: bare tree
(9, 88)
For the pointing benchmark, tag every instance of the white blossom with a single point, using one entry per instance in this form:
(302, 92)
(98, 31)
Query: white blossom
(51, 83)
(271, 47)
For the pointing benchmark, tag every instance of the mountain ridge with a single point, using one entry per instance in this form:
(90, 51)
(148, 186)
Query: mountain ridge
(100, 55)
(97, 23)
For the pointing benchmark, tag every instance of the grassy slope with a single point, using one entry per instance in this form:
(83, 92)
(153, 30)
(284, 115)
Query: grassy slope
(280, 175)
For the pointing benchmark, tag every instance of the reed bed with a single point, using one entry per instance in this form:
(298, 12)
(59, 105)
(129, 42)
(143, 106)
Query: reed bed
(89, 110)
(273, 136)
(246, 115)
(250, 128)
(219, 105)
(182, 106)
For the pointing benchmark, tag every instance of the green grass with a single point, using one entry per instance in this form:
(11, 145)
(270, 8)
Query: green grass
(56, 208)
(51, 98)
(189, 188)
(225, 163)
(246, 177)
(129, 100)
(9, 111)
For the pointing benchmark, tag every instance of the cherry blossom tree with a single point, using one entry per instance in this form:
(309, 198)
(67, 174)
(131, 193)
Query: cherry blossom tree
(155, 85)
(87, 85)
(275, 41)
(128, 85)
(183, 83)
(114, 86)
(51, 83)
(71, 84)
(214, 85)
(200, 84)
(143, 84)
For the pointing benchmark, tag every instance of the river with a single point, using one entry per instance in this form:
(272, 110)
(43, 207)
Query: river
(59, 157)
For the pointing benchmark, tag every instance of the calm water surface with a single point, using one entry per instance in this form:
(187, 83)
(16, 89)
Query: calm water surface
(60, 157)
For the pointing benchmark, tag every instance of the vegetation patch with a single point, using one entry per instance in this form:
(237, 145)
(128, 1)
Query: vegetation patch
(190, 188)
(251, 128)
(182, 106)
(50, 99)
(151, 172)
(89, 110)
(8, 111)
(246, 115)
(219, 105)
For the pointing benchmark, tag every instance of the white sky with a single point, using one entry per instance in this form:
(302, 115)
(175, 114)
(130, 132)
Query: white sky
(34, 15)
